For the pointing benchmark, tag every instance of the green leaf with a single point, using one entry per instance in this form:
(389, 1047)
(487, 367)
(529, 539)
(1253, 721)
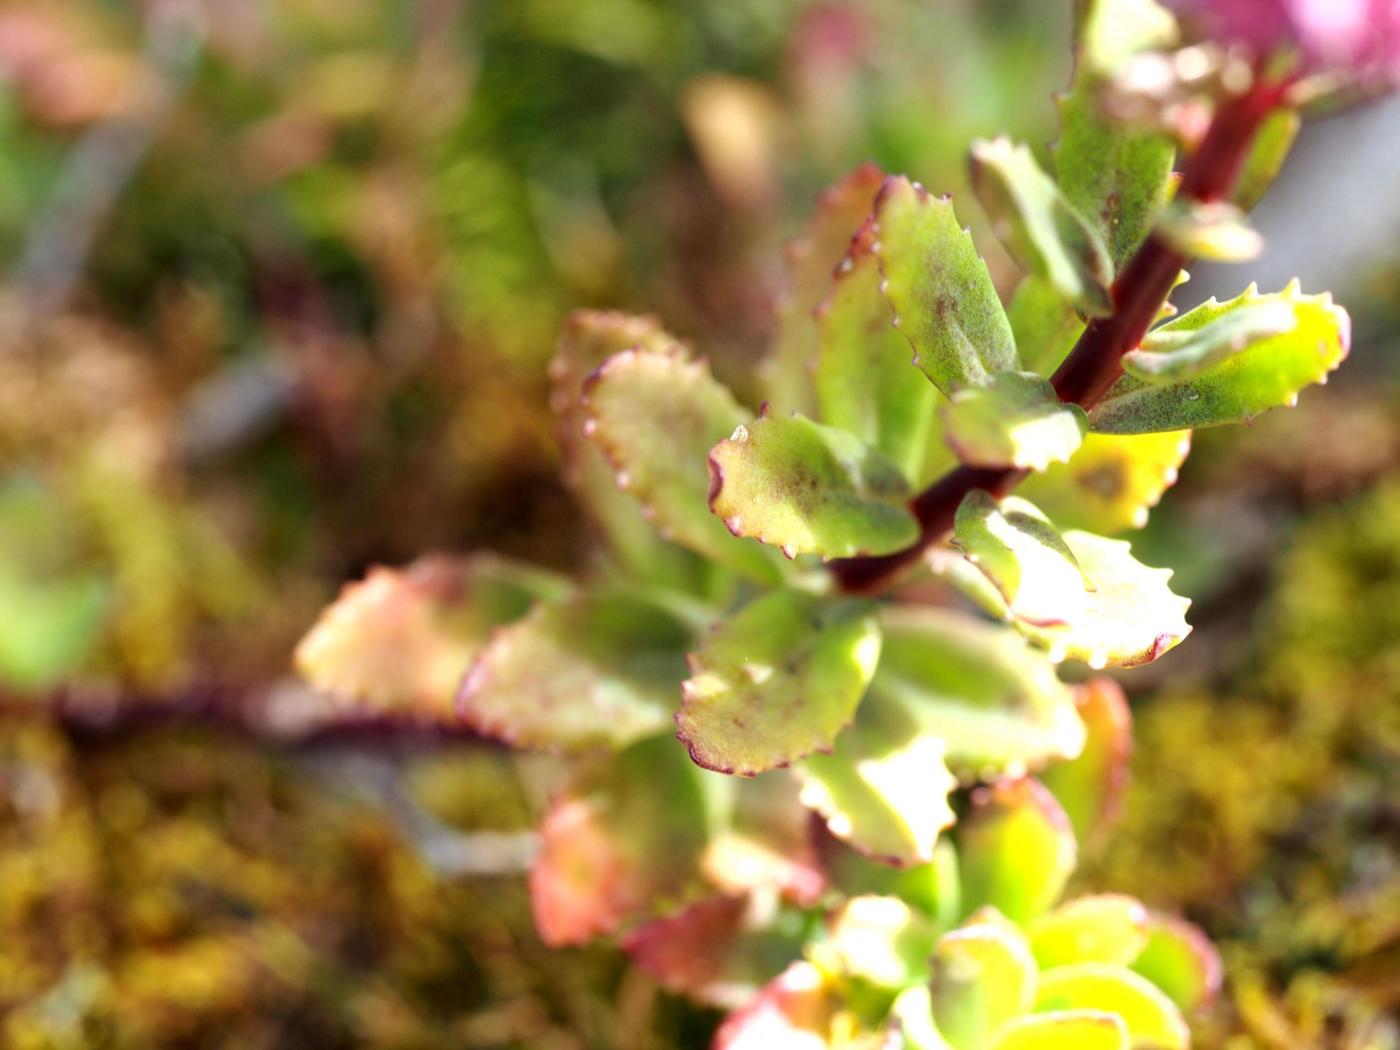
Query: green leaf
(1065, 1030)
(1081, 596)
(879, 940)
(1014, 421)
(996, 705)
(1106, 928)
(865, 379)
(809, 489)
(1265, 375)
(811, 258)
(1039, 227)
(1045, 326)
(911, 1021)
(932, 888)
(1180, 960)
(657, 415)
(1215, 230)
(944, 301)
(1111, 481)
(1150, 1017)
(51, 625)
(596, 668)
(884, 788)
(1116, 176)
(1271, 144)
(400, 640)
(777, 681)
(621, 845)
(589, 338)
(983, 976)
(1015, 848)
(765, 847)
(1171, 354)
(1090, 786)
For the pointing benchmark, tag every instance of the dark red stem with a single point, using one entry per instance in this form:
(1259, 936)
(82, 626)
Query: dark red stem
(1095, 363)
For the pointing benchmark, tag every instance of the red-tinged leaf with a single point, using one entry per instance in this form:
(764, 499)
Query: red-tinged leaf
(767, 845)
(685, 952)
(1016, 849)
(623, 845)
(400, 640)
(793, 1012)
(1180, 960)
(1091, 786)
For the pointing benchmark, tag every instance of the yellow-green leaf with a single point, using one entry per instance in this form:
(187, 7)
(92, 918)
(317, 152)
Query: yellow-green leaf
(1180, 960)
(1015, 420)
(809, 489)
(1105, 928)
(983, 975)
(777, 681)
(1111, 481)
(1090, 786)
(1015, 849)
(1065, 1030)
(1150, 1017)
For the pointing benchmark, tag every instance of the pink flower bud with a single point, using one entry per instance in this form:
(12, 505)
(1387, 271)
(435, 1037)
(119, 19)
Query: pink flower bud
(1358, 39)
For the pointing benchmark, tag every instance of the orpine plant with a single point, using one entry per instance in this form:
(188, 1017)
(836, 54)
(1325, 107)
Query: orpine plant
(751, 585)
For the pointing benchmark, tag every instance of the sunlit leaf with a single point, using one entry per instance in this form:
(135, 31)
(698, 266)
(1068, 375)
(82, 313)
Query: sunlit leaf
(657, 415)
(865, 378)
(809, 489)
(1264, 375)
(766, 845)
(911, 1021)
(876, 939)
(811, 258)
(1216, 230)
(400, 640)
(621, 846)
(777, 681)
(1080, 595)
(1180, 960)
(596, 668)
(1090, 786)
(884, 788)
(932, 888)
(1065, 1030)
(1150, 1017)
(1106, 928)
(792, 1012)
(1040, 229)
(1109, 31)
(943, 297)
(1015, 420)
(996, 704)
(1015, 849)
(590, 338)
(983, 976)
(1172, 354)
(1111, 481)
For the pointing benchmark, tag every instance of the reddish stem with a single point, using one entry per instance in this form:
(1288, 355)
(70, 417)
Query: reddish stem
(1095, 363)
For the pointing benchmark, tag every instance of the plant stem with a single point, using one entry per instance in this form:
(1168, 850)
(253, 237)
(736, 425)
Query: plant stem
(1095, 363)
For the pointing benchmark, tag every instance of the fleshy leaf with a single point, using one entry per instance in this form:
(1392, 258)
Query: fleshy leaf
(1116, 176)
(1180, 960)
(884, 788)
(1015, 420)
(1111, 481)
(792, 1012)
(1106, 928)
(932, 888)
(1045, 326)
(1090, 787)
(1172, 354)
(597, 668)
(866, 382)
(1063, 1030)
(1039, 227)
(1271, 144)
(589, 338)
(1015, 849)
(1080, 595)
(996, 704)
(880, 940)
(1216, 230)
(1265, 375)
(777, 681)
(811, 258)
(620, 846)
(657, 415)
(942, 294)
(400, 640)
(1150, 1017)
(911, 1021)
(809, 489)
(766, 846)
(983, 976)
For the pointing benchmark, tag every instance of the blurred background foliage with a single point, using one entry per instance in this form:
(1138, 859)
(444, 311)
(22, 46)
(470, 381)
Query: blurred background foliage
(281, 281)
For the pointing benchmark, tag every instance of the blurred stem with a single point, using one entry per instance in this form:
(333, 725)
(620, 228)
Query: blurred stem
(1095, 363)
